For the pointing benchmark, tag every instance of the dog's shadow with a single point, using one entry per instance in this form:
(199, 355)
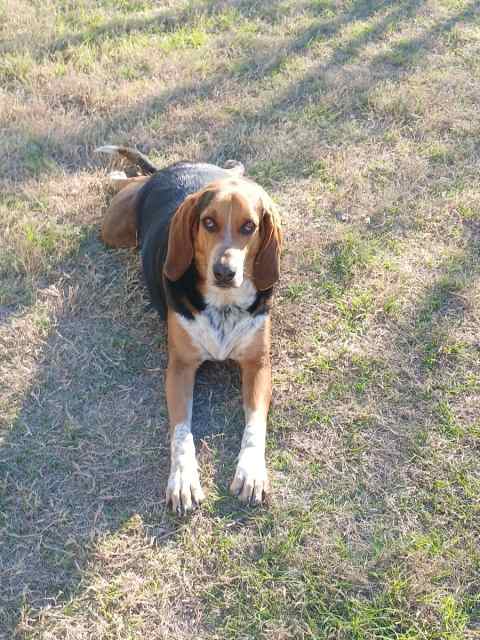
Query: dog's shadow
(218, 423)
(86, 442)
(217, 426)
(217, 405)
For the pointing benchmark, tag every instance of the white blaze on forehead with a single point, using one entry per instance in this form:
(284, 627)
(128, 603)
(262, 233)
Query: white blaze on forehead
(228, 220)
(229, 201)
(235, 195)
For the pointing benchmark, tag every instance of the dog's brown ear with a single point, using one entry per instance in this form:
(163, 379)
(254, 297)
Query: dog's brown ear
(183, 228)
(266, 271)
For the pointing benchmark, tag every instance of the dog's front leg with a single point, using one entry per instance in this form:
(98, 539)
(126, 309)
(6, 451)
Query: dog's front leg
(250, 482)
(183, 489)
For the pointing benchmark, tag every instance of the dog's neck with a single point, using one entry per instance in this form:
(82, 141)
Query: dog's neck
(188, 297)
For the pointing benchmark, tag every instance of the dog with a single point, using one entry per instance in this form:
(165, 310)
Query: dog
(210, 242)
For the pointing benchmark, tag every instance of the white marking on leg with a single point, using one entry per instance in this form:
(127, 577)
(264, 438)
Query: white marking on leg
(183, 488)
(250, 482)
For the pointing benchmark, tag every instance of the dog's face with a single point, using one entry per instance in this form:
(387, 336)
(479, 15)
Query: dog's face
(231, 231)
(228, 237)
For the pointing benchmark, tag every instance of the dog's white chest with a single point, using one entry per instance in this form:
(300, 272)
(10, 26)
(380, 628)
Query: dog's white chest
(221, 333)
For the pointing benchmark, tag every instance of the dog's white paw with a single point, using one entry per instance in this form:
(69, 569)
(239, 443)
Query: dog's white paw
(184, 491)
(250, 482)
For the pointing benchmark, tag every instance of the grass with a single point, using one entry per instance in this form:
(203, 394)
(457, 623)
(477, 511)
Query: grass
(361, 119)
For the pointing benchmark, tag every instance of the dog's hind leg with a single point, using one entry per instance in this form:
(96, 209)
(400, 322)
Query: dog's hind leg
(119, 226)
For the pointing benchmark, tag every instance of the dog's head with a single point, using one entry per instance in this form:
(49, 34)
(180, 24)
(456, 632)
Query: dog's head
(231, 231)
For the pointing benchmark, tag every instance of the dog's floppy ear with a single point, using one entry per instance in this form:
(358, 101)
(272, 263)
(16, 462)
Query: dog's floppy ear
(183, 227)
(266, 271)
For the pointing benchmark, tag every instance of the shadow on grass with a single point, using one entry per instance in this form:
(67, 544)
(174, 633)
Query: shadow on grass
(19, 286)
(313, 88)
(169, 20)
(88, 448)
(237, 138)
(366, 439)
(164, 21)
(50, 149)
(395, 391)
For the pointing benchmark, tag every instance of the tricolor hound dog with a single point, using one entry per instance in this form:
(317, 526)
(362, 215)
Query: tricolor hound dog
(210, 244)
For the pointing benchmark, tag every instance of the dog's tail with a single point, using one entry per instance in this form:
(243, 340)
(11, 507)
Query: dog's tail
(134, 156)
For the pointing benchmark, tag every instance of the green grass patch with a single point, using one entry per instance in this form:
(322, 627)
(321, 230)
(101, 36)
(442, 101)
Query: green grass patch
(352, 254)
(320, 115)
(318, 170)
(281, 593)
(183, 38)
(324, 8)
(37, 245)
(272, 172)
(404, 53)
(344, 376)
(15, 68)
(356, 309)
(296, 291)
(447, 423)
(438, 153)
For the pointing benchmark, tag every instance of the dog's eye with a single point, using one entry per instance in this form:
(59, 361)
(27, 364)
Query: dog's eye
(209, 224)
(248, 228)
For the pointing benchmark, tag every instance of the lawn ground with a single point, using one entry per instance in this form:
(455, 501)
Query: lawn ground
(362, 120)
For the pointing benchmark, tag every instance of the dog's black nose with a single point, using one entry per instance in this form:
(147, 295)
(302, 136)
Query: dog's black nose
(223, 273)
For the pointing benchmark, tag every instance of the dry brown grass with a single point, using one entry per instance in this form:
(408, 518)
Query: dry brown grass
(361, 118)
